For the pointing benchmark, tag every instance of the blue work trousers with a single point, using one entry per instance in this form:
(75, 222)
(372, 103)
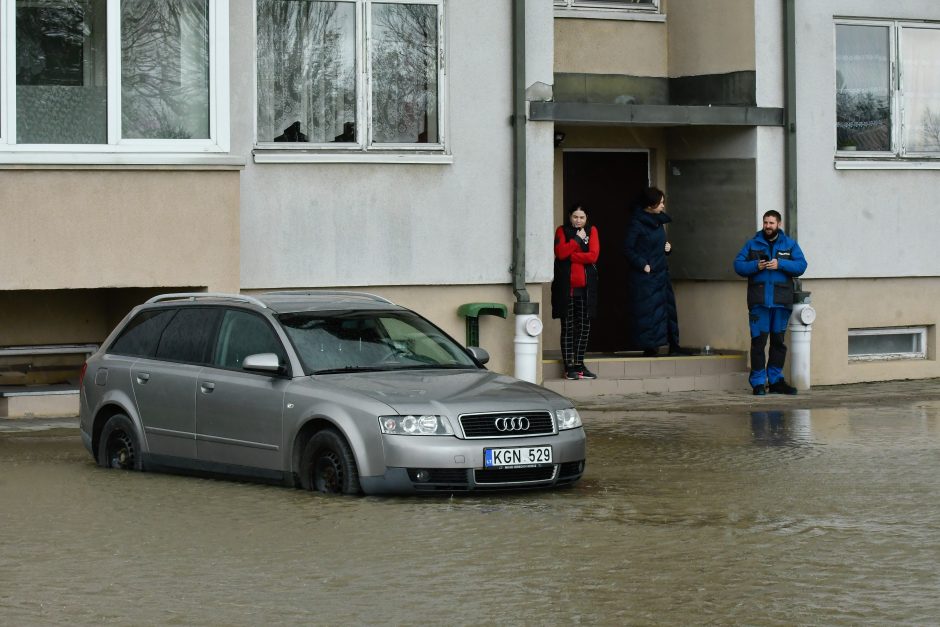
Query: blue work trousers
(768, 322)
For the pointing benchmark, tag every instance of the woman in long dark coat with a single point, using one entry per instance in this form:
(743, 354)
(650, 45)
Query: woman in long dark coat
(655, 322)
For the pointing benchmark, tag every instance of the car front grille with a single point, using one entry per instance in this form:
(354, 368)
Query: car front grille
(441, 475)
(507, 424)
(513, 475)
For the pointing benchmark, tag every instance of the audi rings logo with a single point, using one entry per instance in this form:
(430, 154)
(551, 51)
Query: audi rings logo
(512, 423)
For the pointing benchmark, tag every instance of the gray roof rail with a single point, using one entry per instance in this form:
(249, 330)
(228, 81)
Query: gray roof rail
(194, 295)
(374, 297)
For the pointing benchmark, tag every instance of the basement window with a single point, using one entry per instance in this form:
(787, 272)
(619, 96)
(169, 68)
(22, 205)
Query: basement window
(887, 343)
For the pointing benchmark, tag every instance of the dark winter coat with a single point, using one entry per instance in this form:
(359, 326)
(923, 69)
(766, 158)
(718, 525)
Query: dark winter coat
(653, 303)
(574, 268)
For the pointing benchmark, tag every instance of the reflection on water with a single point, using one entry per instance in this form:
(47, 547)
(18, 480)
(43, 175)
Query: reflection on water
(767, 518)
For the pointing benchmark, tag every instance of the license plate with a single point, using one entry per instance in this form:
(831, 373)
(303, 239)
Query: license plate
(519, 457)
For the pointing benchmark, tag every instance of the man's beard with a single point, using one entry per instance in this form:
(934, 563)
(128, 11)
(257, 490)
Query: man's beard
(771, 234)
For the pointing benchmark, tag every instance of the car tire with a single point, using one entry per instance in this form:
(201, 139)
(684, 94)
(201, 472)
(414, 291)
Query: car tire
(327, 465)
(118, 446)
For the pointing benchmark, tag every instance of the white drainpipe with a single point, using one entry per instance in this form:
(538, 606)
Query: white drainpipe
(801, 330)
(528, 329)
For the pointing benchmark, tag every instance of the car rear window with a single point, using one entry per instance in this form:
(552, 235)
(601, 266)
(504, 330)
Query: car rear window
(142, 334)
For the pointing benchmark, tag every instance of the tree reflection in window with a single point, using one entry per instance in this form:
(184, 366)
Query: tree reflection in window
(306, 71)
(863, 105)
(165, 69)
(404, 73)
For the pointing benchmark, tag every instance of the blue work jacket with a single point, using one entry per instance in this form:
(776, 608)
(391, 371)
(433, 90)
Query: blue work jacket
(770, 288)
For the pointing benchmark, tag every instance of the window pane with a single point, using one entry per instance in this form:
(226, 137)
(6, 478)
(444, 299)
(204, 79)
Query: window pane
(920, 72)
(243, 334)
(61, 72)
(141, 335)
(404, 74)
(306, 71)
(165, 69)
(186, 338)
(863, 106)
(885, 344)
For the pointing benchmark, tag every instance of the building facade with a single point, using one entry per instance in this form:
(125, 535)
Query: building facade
(220, 146)
(824, 111)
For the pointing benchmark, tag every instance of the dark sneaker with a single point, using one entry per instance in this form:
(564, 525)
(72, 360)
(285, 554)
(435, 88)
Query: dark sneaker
(572, 374)
(782, 387)
(675, 350)
(760, 390)
(650, 352)
(585, 373)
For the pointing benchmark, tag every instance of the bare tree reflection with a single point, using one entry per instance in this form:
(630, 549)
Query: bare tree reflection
(306, 70)
(404, 73)
(930, 129)
(164, 68)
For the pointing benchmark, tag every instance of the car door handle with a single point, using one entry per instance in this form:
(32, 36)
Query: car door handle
(143, 377)
(207, 387)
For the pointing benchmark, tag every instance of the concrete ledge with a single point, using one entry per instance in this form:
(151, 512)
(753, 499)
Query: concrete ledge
(38, 405)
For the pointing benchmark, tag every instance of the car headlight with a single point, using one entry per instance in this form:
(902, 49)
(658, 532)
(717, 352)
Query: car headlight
(567, 418)
(415, 425)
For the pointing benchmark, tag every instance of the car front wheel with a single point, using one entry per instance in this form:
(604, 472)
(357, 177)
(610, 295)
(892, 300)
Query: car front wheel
(328, 465)
(118, 446)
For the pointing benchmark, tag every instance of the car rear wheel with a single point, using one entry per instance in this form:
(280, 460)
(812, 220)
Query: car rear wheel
(328, 465)
(118, 446)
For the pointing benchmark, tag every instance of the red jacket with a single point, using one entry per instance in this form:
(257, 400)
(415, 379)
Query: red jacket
(571, 250)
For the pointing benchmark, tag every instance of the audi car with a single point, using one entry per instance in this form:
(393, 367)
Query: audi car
(335, 392)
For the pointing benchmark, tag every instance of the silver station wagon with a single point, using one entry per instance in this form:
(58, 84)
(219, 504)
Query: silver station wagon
(329, 391)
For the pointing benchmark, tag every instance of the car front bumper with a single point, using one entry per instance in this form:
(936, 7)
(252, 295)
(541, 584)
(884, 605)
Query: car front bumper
(448, 464)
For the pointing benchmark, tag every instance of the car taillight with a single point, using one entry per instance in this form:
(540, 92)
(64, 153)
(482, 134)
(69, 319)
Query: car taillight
(81, 376)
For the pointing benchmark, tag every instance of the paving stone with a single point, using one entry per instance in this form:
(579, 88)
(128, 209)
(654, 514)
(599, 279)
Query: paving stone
(662, 367)
(681, 384)
(690, 366)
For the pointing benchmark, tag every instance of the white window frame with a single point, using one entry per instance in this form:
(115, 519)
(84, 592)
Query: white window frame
(609, 10)
(118, 147)
(858, 159)
(917, 330)
(363, 150)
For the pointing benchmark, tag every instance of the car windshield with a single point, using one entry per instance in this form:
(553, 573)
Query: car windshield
(331, 342)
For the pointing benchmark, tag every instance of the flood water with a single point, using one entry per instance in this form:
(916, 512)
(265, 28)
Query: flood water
(821, 517)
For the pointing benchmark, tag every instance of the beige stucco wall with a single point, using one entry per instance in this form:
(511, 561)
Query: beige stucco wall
(117, 228)
(864, 303)
(439, 305)
(610, 47)
(711, 37)
(715, 313)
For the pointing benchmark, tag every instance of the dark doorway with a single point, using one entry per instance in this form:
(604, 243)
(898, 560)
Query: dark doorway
(606, 184)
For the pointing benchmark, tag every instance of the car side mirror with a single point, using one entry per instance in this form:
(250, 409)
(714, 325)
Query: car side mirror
(263, 362)
(479, 354)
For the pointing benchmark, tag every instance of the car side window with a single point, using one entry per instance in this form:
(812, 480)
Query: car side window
(141, 335)
(242, 334)
(187, 337)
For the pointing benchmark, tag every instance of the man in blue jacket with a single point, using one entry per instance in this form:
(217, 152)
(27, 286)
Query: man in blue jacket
(769, 260)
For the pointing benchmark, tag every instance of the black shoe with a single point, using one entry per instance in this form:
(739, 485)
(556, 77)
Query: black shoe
(760, 390)
(675, 349)
(782, 387)
(572, 374)
(585, 373)
(650, 352)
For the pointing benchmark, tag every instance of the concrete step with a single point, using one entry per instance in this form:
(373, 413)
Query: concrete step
(643, 375)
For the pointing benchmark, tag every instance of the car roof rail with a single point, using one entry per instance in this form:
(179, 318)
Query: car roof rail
(194, 295)
(374, 297)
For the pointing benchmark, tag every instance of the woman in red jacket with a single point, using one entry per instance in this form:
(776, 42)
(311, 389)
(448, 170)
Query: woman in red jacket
(574, 289)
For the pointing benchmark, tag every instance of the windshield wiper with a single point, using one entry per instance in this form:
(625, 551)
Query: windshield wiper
(347, 369)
